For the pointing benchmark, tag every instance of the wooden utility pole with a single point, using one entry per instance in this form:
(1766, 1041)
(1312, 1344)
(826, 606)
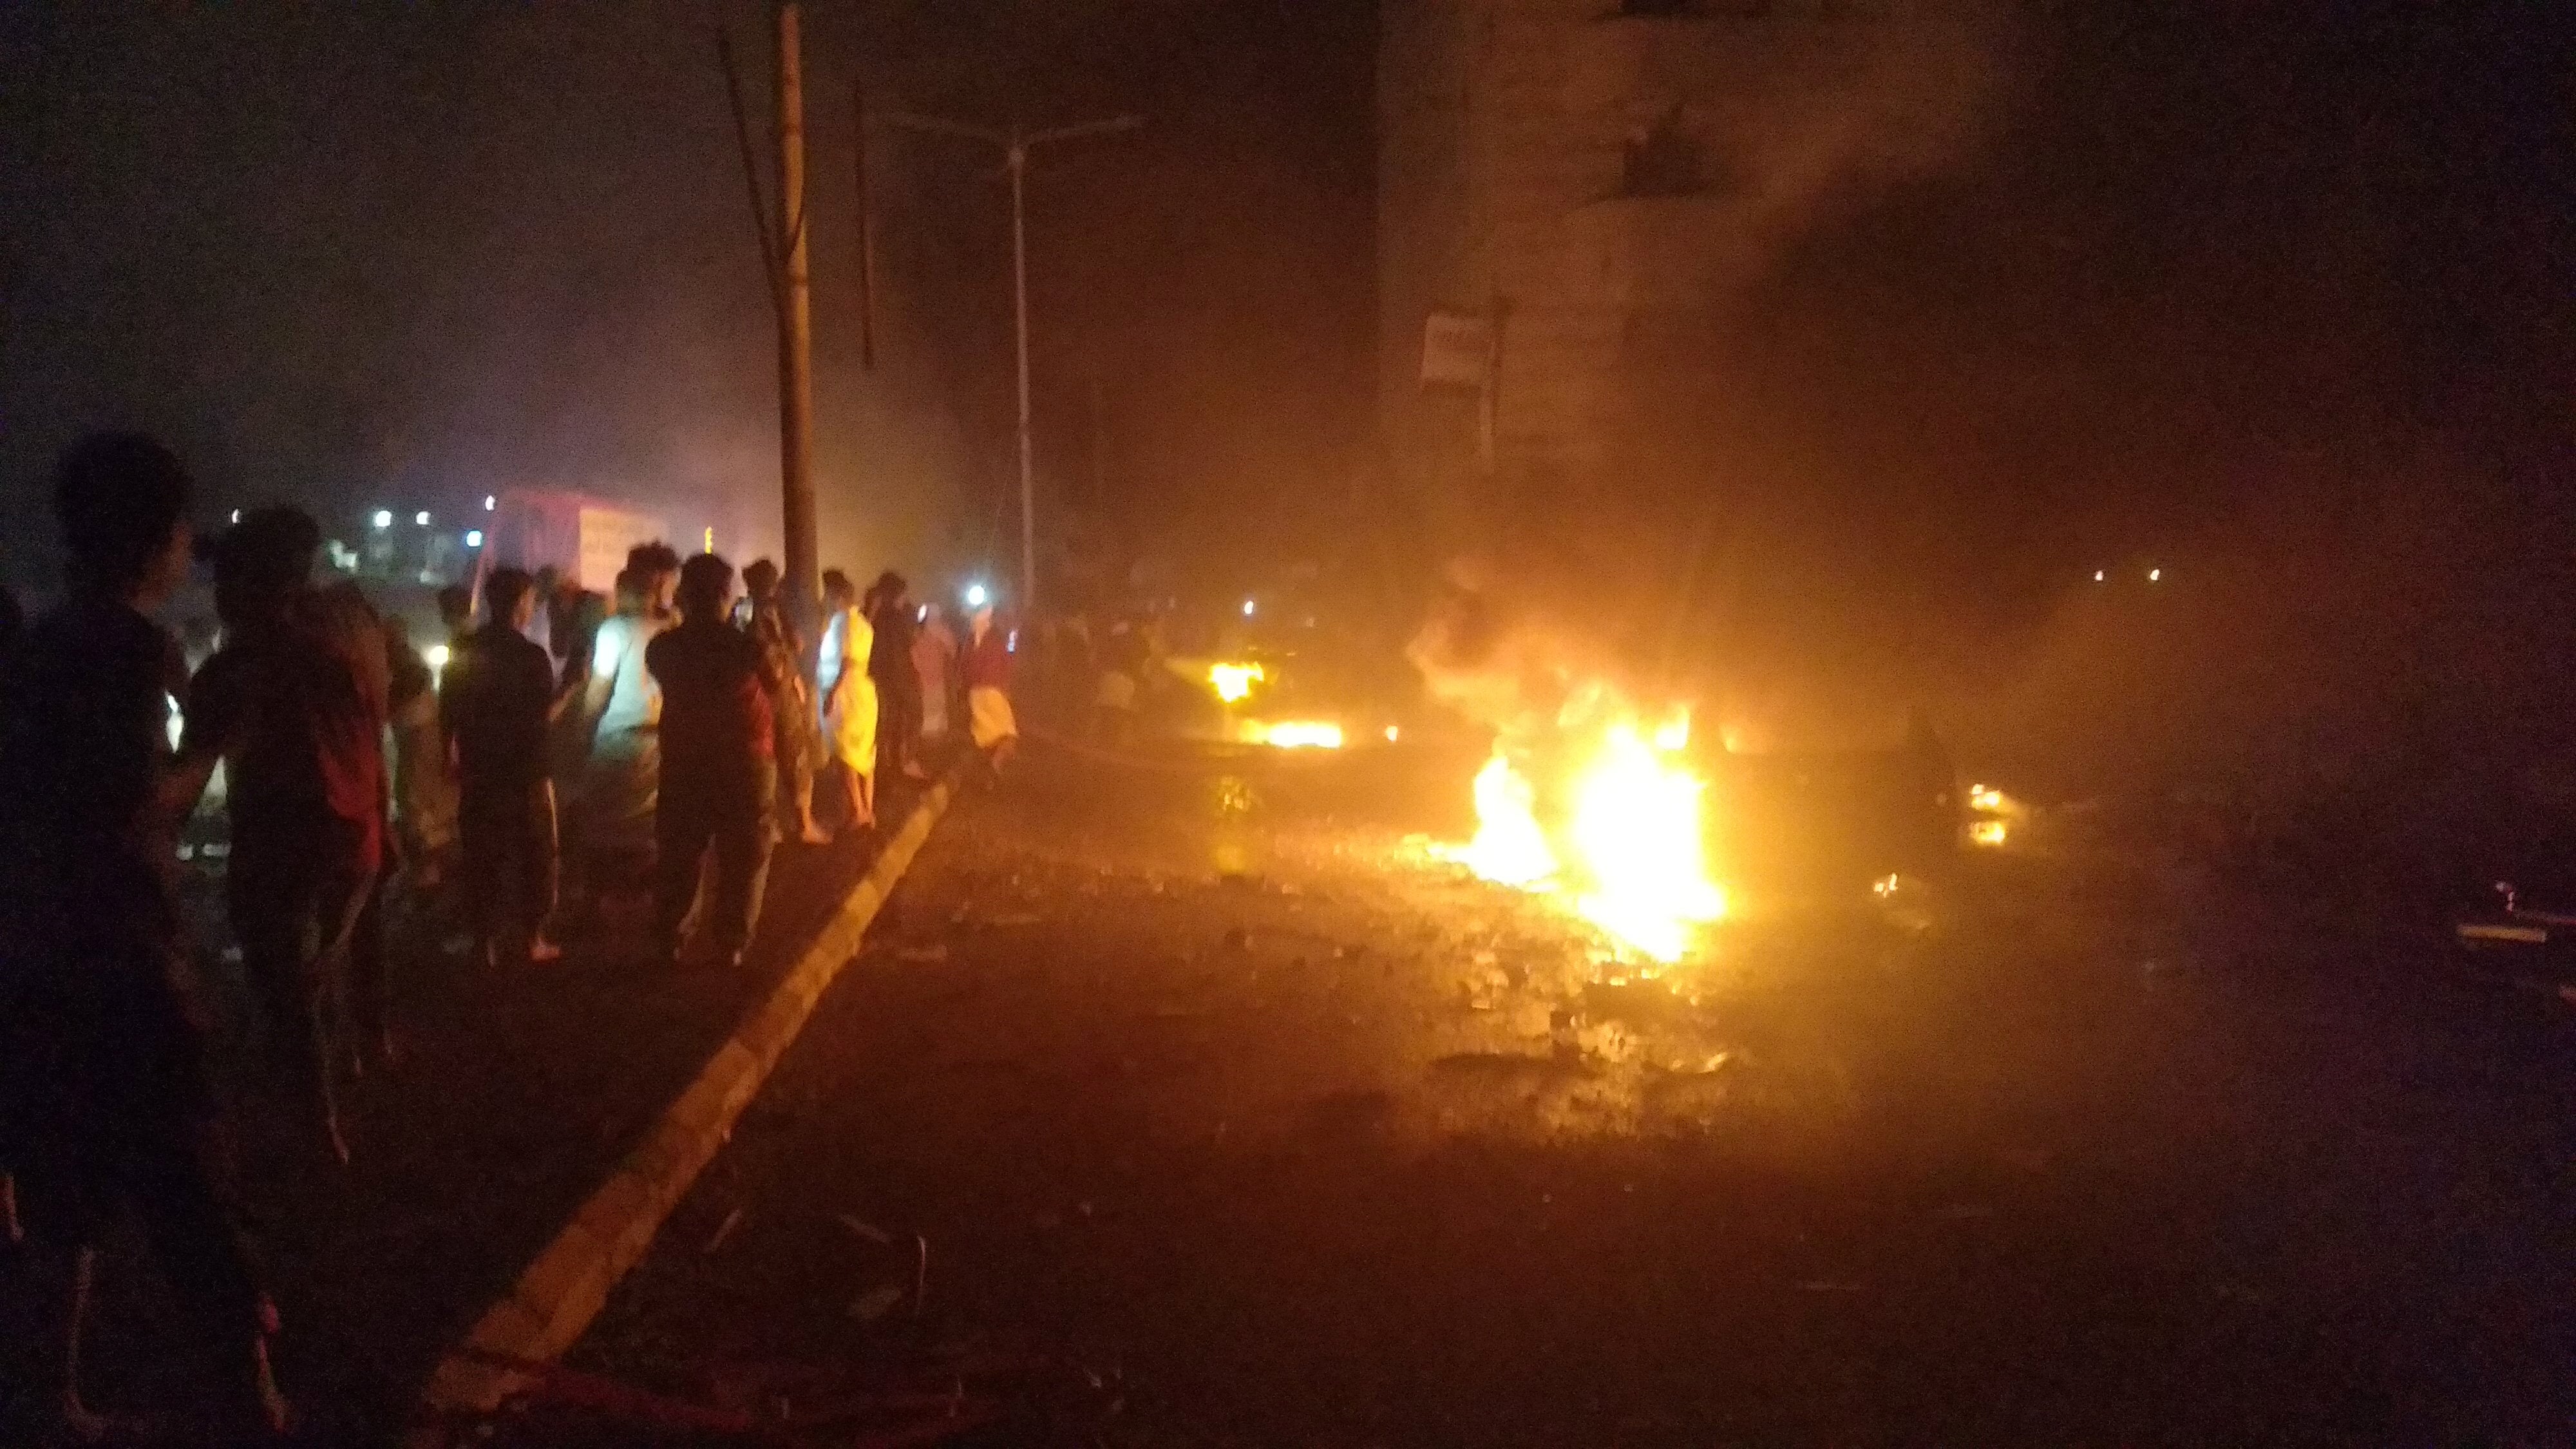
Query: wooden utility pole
(795, 333)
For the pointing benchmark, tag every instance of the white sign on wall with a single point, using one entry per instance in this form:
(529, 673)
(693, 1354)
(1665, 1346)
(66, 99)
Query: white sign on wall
(1457, 350)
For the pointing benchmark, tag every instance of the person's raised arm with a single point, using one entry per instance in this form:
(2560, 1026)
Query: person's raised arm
(559, 698)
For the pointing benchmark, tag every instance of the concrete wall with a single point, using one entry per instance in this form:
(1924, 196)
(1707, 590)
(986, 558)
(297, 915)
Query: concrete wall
(1504, 132)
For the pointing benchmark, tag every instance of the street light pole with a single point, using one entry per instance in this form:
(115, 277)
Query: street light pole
(795, 333)
(1020, 308)
(1015, 151)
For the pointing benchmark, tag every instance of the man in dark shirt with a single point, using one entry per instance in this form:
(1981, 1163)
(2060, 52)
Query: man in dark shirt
(498, 700)
(894, 617)
(104, 1097)
(717, 766)
(303, 749)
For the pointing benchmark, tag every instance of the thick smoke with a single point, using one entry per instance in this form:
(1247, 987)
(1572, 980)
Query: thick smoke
(1660, 574)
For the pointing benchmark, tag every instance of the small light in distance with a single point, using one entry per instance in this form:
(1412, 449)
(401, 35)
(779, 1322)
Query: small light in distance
(2155, 575)
(421, 518)
(1247, 608)
(236, 515)
(1981, 797)
(436, 654)
(977, 596)
(1987, 832)
(2099, 576)
(1394, 733)
(490, 502)
(384, 518)
(473, 538)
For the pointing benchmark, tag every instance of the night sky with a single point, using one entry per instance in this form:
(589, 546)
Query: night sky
(410, 254)
(2201, 261)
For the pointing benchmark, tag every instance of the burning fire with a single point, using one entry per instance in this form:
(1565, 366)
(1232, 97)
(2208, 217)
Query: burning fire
(1293, 734)
(1630, 856)
(1509, 847)
(1993, 809)
(1233, 682)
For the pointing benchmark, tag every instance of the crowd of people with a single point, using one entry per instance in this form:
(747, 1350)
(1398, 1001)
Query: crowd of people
(663, 744)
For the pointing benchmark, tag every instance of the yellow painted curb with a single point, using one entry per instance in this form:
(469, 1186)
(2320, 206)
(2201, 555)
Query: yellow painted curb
(565, 1287)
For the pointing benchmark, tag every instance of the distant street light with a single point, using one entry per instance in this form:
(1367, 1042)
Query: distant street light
(384, 518)
(1015, 150)
(473, 538)
(1247, 608)
(236, 515)
(490, 502)
(421, 518)
(2155, 575)
(977, 596)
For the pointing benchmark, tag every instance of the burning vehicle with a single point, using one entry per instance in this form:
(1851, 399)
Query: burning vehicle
(1656, 838)
(1655, 830)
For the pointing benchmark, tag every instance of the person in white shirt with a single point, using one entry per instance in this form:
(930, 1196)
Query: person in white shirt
(624, 707)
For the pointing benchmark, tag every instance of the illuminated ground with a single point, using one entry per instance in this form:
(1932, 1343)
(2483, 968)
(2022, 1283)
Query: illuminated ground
(1193, 1090)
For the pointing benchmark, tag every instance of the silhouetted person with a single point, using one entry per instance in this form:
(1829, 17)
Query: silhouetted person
(934, 663)
(718, 775)
(898, 682)
(497, 701)
(422, 782)
(456, 613)
(304, 774)
(792, 738)
(566, 633)
(568, 738)
(105, 1103)
(541, 621)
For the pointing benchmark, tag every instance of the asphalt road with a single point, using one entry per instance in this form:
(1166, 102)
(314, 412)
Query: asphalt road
(1212, 1112)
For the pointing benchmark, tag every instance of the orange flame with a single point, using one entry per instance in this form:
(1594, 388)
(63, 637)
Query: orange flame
(1631, 857)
